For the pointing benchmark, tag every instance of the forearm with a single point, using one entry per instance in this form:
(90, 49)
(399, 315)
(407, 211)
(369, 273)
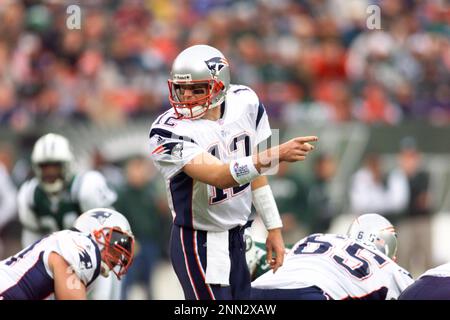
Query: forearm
(255, 165)
(259, 182)
(210, 170)
(265, 204)
(266, 207)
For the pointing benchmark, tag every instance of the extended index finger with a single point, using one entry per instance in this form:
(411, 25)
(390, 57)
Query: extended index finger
(307, 139)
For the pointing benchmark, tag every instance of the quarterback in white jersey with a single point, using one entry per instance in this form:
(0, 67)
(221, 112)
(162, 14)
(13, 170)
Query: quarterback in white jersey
(175, 141)
(338, 267)
(205, 149)
(66, 263)
(56, 196)
(433, 284)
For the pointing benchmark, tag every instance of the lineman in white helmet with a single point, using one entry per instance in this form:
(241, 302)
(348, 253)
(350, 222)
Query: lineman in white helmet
(66, 263)
(359, 265)
(57, 195)
(375, 230)
(112, 232)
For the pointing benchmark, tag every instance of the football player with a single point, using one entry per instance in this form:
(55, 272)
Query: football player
(205, 148)
(57, 194)
(359, 265)
(434, 284)
(66, 263)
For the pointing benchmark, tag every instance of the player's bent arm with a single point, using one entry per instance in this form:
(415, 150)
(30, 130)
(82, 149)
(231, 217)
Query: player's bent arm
(68, 285)
(210, 170)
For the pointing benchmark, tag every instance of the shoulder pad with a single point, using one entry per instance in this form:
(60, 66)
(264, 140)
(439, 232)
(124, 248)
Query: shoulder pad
(81, 253)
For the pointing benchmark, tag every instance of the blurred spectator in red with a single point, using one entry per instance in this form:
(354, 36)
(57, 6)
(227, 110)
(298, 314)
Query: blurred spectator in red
(376, 107)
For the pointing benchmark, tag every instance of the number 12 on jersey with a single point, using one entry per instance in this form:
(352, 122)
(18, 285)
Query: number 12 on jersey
(237, 145)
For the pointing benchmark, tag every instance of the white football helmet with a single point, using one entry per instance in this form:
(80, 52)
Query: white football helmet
(112, 232)
(376, 231)
(206, 73)
(52, 149)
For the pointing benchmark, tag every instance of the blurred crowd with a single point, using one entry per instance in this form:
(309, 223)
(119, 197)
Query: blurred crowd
(307, 59)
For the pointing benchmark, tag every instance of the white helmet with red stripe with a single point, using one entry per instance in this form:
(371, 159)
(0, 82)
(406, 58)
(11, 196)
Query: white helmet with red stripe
(112, 232)
(376, 231)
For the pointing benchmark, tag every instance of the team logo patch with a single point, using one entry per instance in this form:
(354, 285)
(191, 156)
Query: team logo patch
(216, 64)
(101, 216)
(175, 149)
(85, 258)
(240, 170)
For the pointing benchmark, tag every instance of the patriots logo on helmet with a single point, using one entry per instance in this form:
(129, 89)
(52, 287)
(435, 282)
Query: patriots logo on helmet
(216, 64)
(101, 216)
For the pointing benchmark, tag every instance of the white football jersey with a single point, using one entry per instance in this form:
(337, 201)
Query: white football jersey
(341, 267)
(41, 214)
(174, 142)
(440, 271)
(27, 276)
